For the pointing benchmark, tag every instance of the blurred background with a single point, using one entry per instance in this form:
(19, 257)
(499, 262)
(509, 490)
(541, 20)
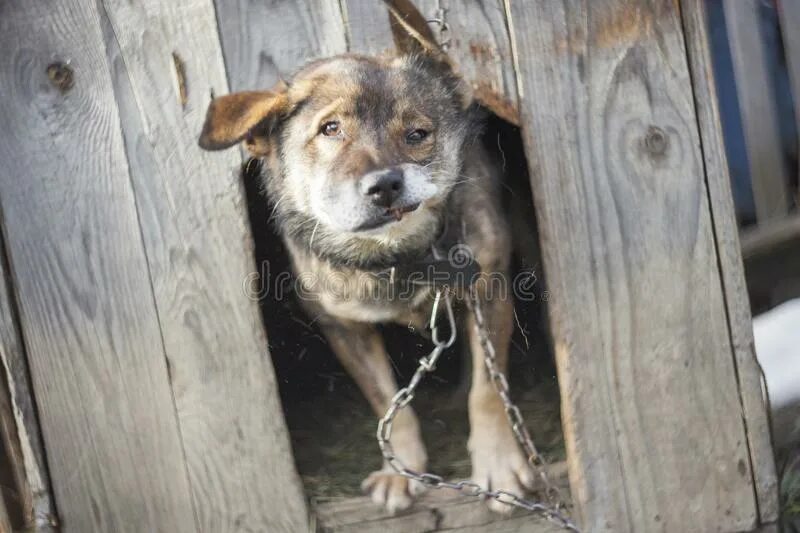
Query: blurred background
(756, 49)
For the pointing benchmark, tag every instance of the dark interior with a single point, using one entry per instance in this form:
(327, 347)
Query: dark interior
(331, 426)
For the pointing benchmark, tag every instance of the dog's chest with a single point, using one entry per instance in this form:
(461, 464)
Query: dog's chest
(370, 297)
(358, 295)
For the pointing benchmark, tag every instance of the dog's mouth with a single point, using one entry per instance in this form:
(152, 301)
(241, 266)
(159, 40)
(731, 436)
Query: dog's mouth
(393, 214)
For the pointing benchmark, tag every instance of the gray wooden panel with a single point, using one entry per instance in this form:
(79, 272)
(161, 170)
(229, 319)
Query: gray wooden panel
(477, 40)
(439, 510)
(264, 42)
(479, 44)
(86, 305)
(21, 430)
(651, 410)
(193, 217)
(754, 404)
(368, 30)
(789, 11)
(768, 171)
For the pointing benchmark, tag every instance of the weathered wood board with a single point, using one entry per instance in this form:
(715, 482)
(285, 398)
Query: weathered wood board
(199, 250)
(650, 400)
(768, 173)
(266, 42)
(18, 421)
(85, 300)
(754, 404)
(436, 510)
(476, 38)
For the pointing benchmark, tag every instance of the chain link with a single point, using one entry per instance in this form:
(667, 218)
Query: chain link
(405, 395)
(513, 413)
(444, 27)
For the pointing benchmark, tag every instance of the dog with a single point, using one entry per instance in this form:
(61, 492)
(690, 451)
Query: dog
(369, 162)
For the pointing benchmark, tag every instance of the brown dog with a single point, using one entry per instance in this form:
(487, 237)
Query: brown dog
(369, 162)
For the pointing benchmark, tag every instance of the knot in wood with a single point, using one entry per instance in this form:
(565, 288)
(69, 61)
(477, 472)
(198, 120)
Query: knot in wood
(656, 141)
(61, 76)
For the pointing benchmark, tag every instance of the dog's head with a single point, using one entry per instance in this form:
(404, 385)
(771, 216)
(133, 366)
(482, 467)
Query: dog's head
(360, 153)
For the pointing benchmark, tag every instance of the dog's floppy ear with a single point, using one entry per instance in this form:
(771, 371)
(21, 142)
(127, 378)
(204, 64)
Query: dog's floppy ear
(410, 30)
(239, 116)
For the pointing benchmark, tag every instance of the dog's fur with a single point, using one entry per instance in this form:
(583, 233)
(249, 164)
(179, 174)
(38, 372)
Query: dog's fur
(319, 179)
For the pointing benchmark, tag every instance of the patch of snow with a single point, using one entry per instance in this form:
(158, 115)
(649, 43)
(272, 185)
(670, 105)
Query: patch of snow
(777, 339)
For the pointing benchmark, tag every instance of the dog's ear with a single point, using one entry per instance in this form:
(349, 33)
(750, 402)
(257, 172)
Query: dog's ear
(244, 116)
(410, 30)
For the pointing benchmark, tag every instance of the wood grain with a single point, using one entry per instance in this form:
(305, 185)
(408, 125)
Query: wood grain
(768, 172)
(367, 25)
(264, 42)
(85, 301)
(754, 404)
(479, 44)
(20, 429)
(476, 39)
(199, 249)
(651, 410)
(435, 510)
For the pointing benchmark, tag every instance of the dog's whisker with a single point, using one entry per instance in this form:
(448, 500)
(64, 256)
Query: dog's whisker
(313, 233)
(275, 206)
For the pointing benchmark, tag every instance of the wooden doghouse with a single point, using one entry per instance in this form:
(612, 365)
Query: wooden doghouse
(127, 339)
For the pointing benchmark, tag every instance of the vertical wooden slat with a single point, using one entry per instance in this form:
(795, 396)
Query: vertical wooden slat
(650, 402)
(264, 42)
(768, 172)
(368, 28)
(85, 301)
(723, 215)
(21, 431)
(476, 40)
(165, 62)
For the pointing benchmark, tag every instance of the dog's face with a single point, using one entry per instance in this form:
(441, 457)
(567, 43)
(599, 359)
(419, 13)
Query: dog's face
(361, 152)
(372, 148)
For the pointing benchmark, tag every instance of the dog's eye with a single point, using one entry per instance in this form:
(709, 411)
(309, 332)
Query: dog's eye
(330, 128)
(416, 136)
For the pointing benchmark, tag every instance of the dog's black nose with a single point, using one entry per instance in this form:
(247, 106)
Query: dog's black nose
(383, 188)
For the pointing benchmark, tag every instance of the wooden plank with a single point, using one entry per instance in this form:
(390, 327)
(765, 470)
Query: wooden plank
(755, 407)
(521, 524)
(652, 416)
(264, 42)
(85, 301)
(199, 249)
(478, 42)
(435, 510)
(789, 12)
(768, 172)
(20, 425)
(476, 38)
(367, 24)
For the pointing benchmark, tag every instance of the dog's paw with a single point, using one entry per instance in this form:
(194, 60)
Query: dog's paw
(391, 490)
(498, 463)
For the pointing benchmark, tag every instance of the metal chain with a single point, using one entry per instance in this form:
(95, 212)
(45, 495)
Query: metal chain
(513, 413)
(405, 395)
(444, 27)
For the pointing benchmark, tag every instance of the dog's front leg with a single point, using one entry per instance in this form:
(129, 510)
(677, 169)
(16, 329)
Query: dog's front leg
(360, 349)
(497, 460)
